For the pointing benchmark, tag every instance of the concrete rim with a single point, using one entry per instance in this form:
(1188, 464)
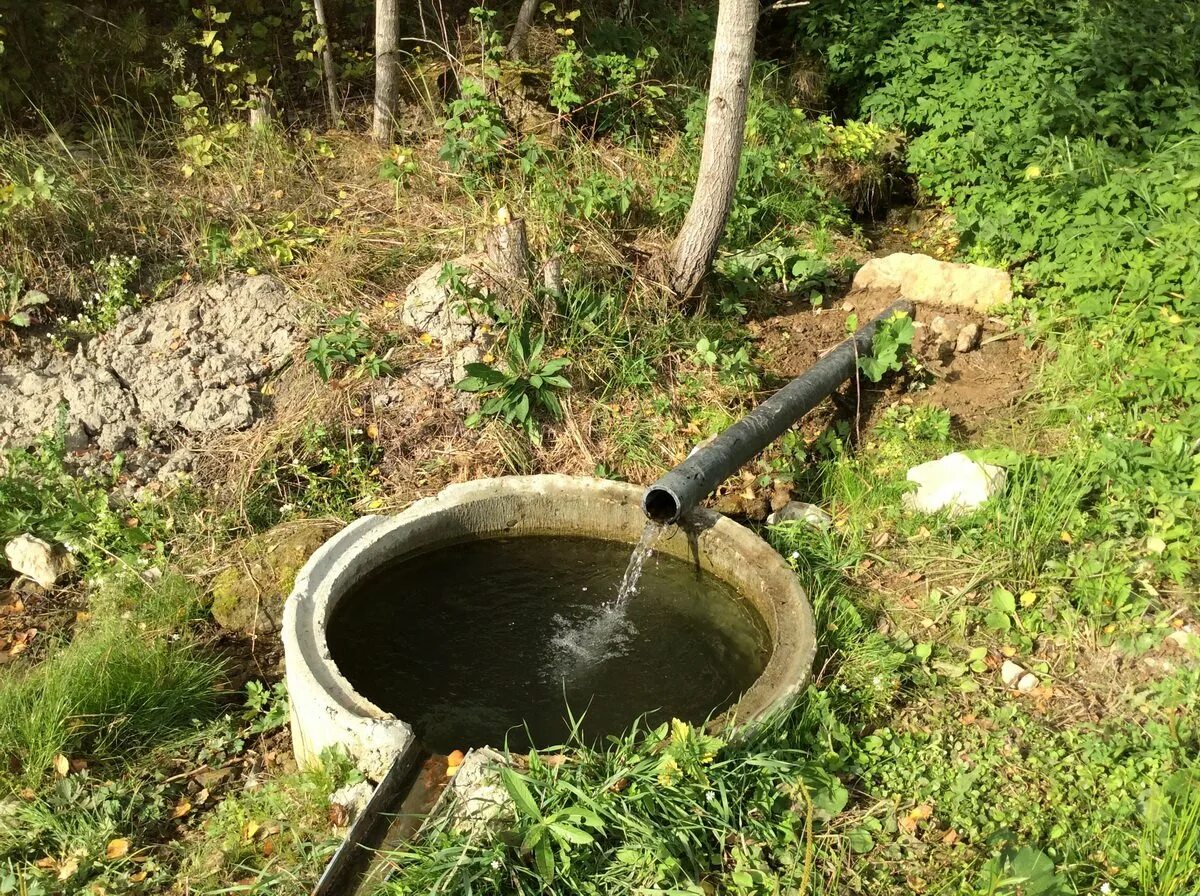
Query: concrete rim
(327, 711)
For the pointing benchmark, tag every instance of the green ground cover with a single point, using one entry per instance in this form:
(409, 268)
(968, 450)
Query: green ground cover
(1064, 140)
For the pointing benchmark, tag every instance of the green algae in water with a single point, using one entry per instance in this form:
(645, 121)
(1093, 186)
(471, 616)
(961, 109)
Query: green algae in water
(491, 640)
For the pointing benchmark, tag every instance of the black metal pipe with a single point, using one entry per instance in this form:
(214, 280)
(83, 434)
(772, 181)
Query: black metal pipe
(693, 480)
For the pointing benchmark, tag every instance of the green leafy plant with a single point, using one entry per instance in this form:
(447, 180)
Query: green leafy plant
(529, 384)
(550, 837)
(893, 337)
(16, 302)
(346, 344)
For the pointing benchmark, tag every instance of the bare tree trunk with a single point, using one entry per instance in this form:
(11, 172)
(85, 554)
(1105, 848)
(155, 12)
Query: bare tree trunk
(335, 113)
(387, 68)
(520, 34)
(694, 248)
(507, 248)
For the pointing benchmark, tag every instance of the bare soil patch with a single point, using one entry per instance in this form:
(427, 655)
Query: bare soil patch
(975, 386)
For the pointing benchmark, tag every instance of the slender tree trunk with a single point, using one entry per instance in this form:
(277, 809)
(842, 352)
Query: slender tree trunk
(520, 33)
(387, 68)
(335, 114)
(694, 248)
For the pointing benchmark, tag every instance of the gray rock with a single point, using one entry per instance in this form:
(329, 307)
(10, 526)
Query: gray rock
(968, 338)
(433, 308)
(924, 279)
(39, 560)
(186, 363)
(955, 483)
(799, 511)
(481, 801)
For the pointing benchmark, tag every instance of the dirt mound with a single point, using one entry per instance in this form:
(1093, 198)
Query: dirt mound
(187, 364)
(972, 384)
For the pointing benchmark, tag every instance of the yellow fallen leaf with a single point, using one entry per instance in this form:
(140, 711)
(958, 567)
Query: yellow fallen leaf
(137, 877)
(182, 808)
(62, 765)
(68, 868)
(116, 849)
(372, 432)
(1065, 537)
(426, 338)
(250, 830)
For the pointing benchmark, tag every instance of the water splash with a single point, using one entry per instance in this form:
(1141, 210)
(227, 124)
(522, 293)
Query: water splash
(604, 636)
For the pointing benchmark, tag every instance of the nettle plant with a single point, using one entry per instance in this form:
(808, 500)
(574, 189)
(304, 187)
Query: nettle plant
(529, 383)
(889, 347)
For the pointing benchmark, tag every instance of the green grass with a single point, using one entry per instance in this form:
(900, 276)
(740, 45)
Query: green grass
(119, 686)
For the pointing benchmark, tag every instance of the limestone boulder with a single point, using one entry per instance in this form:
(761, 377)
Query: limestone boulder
(920, 278)
(39, 560)
(954, 483)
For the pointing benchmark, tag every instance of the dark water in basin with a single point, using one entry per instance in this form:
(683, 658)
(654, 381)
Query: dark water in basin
(473, 642)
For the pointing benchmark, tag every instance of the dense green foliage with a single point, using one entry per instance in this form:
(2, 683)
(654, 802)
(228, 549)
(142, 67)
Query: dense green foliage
(1067, 140)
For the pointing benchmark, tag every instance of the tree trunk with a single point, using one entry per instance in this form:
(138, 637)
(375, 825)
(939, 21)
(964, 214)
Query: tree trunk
(507, 248)
(387, 69)
(694, 248)
(520, 34)
(335, 114)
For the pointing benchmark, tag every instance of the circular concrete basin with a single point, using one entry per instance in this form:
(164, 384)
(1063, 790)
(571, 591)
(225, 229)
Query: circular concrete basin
(328, 712)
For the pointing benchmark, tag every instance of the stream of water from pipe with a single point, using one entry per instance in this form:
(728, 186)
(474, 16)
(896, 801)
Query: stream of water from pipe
(605, 634)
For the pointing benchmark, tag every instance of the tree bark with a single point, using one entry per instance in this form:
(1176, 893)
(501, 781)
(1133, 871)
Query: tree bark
(507, 248)
(690, 257)
(335, 114)
(387, 69)
(520, 33)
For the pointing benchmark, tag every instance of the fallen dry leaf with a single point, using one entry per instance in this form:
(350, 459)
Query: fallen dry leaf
(62, 765)
(68, 868)
(116, 849)
(138, 876)
(182, 808)
(915, 816)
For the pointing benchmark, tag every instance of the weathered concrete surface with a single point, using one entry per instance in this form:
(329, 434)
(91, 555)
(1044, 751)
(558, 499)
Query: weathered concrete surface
(186, 363)
(326, 710)
(924, 279)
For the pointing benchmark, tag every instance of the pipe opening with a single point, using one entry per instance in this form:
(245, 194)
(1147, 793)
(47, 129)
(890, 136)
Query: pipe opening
(661, 505)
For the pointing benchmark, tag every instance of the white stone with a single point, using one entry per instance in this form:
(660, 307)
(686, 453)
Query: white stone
(1010, 673)
(799, 511)
(1027, 683)
(924, 279)
(1183, 638)
(968, 338)
(954, 482)
(481, 801)
(39, 560)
